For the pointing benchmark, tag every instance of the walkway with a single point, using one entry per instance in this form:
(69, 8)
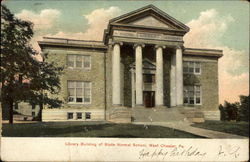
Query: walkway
(185, 126)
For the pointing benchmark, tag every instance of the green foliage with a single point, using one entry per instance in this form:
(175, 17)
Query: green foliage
(23, 77)
(244, 108)
(235, 111)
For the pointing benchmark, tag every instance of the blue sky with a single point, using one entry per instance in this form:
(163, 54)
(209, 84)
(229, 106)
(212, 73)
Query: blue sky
(214, 24)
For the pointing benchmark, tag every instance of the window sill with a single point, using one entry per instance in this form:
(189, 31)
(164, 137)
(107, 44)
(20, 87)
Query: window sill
(75, 103)
(71, 68)
(192, 105)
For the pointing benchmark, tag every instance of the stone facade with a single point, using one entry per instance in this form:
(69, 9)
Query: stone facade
(95, 75)
(138, 64)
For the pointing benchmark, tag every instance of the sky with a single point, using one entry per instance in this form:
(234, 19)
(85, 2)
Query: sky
(213, 24)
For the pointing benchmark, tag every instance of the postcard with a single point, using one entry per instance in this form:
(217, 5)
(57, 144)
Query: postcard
(124, 80)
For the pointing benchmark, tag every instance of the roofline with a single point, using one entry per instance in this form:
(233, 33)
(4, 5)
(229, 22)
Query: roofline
(159, 11)
(203, 52)
(68, 43)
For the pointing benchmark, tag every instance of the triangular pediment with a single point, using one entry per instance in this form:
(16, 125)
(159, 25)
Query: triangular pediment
(150, 21)
(150, 16)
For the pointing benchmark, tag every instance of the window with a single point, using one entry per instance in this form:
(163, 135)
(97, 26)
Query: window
(79, 61)
(191, 67)
(79, 115)
(192, 95)
(79, 92)
(87, 115)
(33, 106)
(69, 115)
(33, 113)
(149, 78)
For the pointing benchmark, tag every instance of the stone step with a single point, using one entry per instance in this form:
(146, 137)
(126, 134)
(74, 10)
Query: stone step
(159, 114)
(120, 115)
(192, 114)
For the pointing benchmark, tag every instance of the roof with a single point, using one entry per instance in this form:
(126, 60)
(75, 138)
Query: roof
(203, 52)
(63, 42)
(149, 10)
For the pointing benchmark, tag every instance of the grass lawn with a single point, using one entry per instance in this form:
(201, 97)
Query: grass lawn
(81, 129)
(239, 128)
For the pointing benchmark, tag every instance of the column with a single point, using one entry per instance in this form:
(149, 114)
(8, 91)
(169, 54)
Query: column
(173, 81)
(116, 80)
(132, 88)
(138, 73)
(179, 77)
(159, 76)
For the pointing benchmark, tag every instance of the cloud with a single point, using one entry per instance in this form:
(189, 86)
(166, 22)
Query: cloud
(97, 21)
(44, 20)
(207, 29)
(206, 32)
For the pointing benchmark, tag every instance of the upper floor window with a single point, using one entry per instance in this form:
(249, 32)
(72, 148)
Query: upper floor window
(79, 61)
(79, 92)
(192, 95)
(191, 67)
(149, 78)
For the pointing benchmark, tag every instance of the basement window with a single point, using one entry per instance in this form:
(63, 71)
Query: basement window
(70, 115)
(79, 115)
(87, 115)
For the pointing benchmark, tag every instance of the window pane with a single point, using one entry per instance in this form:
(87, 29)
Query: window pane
(71, 60)
(70, 115)
(86, 61)
(198, 94)
(185, 64)
(86, 84)
(185, 69)
(87, 115)
(71, 99)
(191, 70)
(71, 84)
(197, 88)
(79, 99)
(79, 115)
(191, 100)
(78, 64)
(197, 65)
(71, 91)
(86, 92)
(185, 99)
(79, 61)
(86, 99)
(198, 100)
(79, 92)
(197, 70)
(79, 84)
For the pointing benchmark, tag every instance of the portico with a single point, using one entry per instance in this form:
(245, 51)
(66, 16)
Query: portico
(176, 81)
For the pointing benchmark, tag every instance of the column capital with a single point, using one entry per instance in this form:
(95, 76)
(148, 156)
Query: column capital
(178, 47)
(120, 43)
(139, 44)
(160, 46)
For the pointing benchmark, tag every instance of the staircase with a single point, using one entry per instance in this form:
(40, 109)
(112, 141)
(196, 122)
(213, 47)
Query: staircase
(193, 115)
(120, 115)
(158, 114)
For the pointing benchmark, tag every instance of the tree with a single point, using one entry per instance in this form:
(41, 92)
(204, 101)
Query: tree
(23, 77)
(244, 108)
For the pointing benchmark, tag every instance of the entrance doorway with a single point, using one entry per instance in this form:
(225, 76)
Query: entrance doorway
(149, 98)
